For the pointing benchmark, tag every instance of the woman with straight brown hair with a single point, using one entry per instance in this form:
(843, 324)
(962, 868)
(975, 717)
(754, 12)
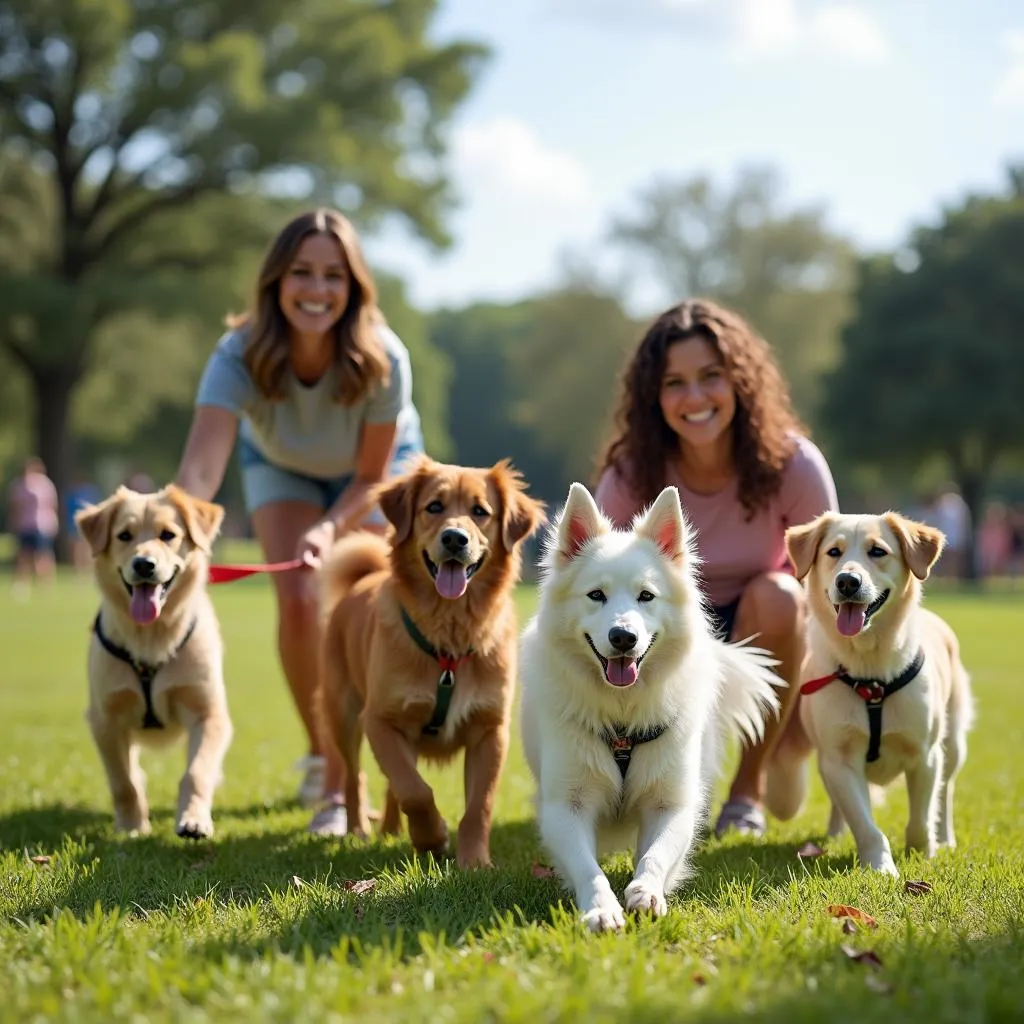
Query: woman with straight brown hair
(318, 392)
(704, 407)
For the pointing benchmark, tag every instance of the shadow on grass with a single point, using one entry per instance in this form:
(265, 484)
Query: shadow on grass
(48, 826)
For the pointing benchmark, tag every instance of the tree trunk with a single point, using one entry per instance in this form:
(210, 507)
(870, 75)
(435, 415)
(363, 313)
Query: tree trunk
(54, 387)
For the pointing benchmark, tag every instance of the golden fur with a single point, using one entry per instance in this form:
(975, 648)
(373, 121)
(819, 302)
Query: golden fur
(376, 679)
(166, 535)
(924, 725)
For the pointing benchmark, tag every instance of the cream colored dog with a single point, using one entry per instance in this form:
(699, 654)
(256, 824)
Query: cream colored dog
(155, 661)
(884, 690)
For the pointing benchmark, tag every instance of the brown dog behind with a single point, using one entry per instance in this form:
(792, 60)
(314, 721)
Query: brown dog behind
(155, 661)
(401, 614)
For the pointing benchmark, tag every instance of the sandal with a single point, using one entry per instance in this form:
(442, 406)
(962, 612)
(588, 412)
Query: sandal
(331, 820)
(742, 816)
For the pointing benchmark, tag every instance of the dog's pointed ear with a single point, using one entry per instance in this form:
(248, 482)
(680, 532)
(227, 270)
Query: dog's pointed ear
(203, 519)
(520, 514)
(665, 525)
(397, 499)
(802, 543)
(581, 520)
(94, 522)
(921, 544)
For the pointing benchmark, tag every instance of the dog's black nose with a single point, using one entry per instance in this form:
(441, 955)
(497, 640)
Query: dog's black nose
(848, 583)
(143, 567)
(621, 639)
(454, 540)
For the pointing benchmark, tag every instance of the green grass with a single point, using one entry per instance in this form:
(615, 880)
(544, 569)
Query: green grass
(258, 924)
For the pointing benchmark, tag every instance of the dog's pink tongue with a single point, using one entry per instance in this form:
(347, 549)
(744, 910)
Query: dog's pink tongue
(145, 605)
(621, 671)
(851, 618)
(451, 580)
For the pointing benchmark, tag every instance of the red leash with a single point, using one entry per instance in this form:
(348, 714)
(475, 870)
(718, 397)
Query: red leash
(230, 573)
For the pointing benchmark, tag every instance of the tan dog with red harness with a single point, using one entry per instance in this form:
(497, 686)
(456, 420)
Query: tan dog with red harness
(155, 661)
(885, 693)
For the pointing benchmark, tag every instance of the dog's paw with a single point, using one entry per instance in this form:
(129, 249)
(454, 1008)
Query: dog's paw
(132, 826)
(605, 917)
(642, 897)
(195, 825)
(882, 863)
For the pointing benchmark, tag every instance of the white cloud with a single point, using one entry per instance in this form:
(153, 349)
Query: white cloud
(1009, 90)
(752, 29)
(504, 154)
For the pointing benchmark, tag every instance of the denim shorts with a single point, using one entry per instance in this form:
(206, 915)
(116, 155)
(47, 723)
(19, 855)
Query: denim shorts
(264, 482)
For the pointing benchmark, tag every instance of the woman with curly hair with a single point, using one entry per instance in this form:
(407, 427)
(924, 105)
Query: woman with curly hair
(704, 407)
(318, 391)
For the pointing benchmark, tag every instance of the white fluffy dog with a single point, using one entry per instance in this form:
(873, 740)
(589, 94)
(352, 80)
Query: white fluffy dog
(626, 698)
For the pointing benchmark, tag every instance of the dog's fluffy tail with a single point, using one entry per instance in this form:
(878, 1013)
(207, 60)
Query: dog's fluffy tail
(747, 695)
(351, 558)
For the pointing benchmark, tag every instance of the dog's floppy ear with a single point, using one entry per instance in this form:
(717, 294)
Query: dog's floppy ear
(94, 521)
(520, 514)
(397, 498)
(921, 544)
(203, 519)
(580, 521)
(665, 525)
(802, 543)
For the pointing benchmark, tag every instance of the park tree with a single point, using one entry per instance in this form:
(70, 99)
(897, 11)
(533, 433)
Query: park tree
(150, 148)
(932, 365)
(784, 269)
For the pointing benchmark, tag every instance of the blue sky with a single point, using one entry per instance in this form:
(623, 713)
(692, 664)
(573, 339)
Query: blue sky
(880, 111)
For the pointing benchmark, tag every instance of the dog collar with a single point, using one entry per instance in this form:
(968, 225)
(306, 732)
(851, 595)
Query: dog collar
(143, 670)
(873, 692)
(621, 741)
(446, 681)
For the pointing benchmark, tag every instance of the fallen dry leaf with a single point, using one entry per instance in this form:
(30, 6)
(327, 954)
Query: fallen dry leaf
(297, 883)
(360, 911)
(699, 979)
(863, 956)
(849, 928)
(357, 888)
(809, 850)
(917, 888)
(542, 871)
(841, 910)
(41, 858)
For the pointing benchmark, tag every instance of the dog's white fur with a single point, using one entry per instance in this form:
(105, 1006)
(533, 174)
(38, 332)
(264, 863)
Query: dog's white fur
(699, 687)
(924, 725)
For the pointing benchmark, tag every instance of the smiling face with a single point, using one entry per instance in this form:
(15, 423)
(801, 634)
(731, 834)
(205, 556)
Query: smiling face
(697, 399)
(144, 545)
(862, 566)
(458, 521)
(315, 288)
(620, 592)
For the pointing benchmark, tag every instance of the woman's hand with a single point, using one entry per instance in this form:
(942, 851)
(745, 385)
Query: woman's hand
(315, 543)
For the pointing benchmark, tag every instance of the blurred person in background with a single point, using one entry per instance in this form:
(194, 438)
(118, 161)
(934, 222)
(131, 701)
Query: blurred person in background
(33, 519)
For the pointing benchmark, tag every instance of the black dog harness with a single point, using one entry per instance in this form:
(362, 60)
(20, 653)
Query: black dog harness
(448, 663)
(144, 671)
(621, 742)
(873, 692)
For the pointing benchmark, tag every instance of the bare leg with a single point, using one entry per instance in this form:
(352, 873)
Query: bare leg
(279, 525)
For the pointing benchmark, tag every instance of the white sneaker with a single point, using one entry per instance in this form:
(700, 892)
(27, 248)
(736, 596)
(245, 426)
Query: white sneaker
(311, 791)
(331, 820)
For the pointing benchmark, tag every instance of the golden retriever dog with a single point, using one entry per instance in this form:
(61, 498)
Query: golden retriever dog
(884, 692)
(155, 660)
(420, 644)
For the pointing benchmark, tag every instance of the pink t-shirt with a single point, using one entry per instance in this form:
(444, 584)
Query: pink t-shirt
(734, 550)
(33, 505)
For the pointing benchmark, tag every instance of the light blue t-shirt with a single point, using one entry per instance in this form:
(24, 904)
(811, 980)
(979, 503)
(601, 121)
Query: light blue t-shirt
(309, 431)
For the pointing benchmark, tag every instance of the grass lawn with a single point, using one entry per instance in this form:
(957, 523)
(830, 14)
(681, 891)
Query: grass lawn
(259, 923)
